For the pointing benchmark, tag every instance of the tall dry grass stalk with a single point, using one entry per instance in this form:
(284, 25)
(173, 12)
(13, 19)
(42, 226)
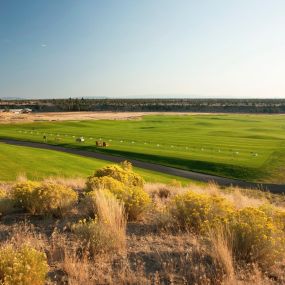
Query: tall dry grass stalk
(111, 215)
(78, 270)
(221, 251)
(107, 231)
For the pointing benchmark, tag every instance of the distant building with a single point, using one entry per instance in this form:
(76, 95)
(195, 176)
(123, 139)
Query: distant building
(27, 110)
(18, 111)
(15, 111)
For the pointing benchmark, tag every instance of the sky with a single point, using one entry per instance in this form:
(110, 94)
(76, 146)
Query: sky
(142, 48)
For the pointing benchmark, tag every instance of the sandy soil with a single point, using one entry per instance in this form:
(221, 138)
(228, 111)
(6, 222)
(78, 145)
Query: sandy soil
(66, 116)
(79, 116)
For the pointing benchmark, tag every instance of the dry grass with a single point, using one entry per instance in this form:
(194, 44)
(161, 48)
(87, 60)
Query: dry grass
(241, 198)
(107, 232)
(221, 250)
(111, 213)
(74, 183)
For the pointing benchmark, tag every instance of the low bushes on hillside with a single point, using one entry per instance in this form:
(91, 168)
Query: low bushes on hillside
(44, 198)
(23, 266)
(256, 235)
(214, 237)
(126, 185)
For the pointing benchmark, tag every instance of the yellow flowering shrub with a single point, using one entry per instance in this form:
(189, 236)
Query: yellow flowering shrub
(22, 194)
(54, 198)
(25, 266)
(256, 234)
(44, 198)
(126, 185)
(104, 182)
(256, 237)
(196, 212)
(277, 214)
(121, 173)
(135, 200)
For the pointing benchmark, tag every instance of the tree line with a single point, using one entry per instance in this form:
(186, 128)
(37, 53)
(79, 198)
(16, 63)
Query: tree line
(150, 105)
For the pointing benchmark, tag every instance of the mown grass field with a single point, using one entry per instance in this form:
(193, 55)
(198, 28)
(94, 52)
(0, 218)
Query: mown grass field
(248, 147)
(38, 164)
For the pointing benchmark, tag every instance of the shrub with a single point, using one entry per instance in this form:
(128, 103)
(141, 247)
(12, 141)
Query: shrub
(23, 194)
(256, 237)
(44, 198)
(23, 266)
(108, 230)
(124, 184)
(104, 182)
(54, 198)
(197, 212)
(123, 174)
(135, 200)
(277, 214)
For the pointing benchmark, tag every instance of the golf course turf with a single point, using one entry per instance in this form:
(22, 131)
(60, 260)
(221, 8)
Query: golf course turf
(247, 147)
(38, 164)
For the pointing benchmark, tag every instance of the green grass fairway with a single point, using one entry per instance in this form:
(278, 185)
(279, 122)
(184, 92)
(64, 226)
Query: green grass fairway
(39, 163)
(248, 147)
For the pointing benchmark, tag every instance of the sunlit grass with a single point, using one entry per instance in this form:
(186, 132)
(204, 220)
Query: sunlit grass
(41, 163)
(250, 147)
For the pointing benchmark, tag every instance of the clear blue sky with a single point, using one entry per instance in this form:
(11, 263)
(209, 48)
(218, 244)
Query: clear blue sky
(127, 48)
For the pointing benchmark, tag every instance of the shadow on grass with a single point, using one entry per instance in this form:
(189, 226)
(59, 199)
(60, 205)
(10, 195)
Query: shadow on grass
(215, 168)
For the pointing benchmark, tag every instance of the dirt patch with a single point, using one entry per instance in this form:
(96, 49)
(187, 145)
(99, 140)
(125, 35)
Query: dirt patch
(79, 116)
(66, 116)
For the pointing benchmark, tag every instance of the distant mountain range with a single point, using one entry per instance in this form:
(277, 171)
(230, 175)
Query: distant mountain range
(12, 98)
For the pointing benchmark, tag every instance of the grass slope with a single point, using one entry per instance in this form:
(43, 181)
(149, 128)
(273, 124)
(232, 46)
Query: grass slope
(39, 164)
(249, 147)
